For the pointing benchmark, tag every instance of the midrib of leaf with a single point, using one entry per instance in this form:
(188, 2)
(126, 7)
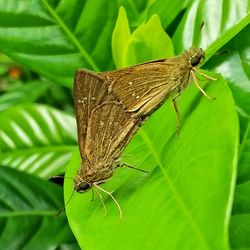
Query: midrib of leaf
(71, 36)
(26, 213)
(170, 184)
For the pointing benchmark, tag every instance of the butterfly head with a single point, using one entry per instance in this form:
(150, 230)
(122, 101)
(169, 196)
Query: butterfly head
(195, 56)
(81, 186)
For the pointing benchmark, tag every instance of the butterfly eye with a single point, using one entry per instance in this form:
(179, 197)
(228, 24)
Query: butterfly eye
(83, 186)
(195, 61)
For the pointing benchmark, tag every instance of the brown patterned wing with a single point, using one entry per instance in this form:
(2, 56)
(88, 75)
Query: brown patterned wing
(109, 130)
(89, 92)
(143, 87)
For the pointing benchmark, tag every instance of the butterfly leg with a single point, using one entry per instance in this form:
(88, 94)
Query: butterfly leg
(199, 87)
(132, 167)
(101, 199)
(177, 111)
(112, 197)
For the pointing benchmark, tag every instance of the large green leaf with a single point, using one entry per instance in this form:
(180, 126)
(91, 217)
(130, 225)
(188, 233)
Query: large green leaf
(240, 220)
(36, 139)
(235, 67)
(28, 207)
(55, 38)
(184, 201)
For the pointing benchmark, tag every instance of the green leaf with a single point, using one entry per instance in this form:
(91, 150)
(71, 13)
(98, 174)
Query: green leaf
(235, 67)
(184, 201)
(23, 93)
(222, 21)
(136, 10)
(147, 42)
(36, 139)
(27, 214)
(167, 10)
(240, 220)
(120, 38)
(55, 38)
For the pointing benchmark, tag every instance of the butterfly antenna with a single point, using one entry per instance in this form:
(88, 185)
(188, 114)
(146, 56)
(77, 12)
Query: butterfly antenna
(101, 199)
(113, 198)
(204, 75)
(63, 208)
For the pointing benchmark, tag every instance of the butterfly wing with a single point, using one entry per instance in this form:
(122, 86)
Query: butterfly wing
(89, 92)
(109, 130)
(143, 87)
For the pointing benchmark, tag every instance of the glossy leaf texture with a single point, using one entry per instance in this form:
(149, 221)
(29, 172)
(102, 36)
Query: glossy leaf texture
(36, 139)
(53, 41)
(234, 65)
(239, 226)
(27, 212)
(183, 196)
(222, 21)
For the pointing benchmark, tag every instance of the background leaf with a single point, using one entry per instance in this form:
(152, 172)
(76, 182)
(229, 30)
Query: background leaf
(36, 139)
(148, 42)
(183, 192)
(120, 38)
(27, 213)
(239, 226)
(23, 94)
(231, 17)
(53, 41)
(167, 10)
